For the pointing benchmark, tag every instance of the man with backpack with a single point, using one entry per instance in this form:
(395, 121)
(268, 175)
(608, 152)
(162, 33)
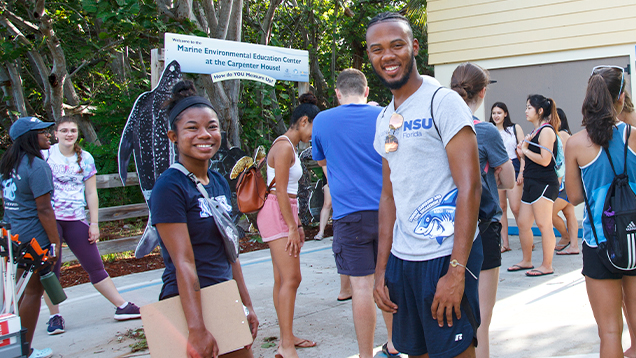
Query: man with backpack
(428, 265)
(342, 138)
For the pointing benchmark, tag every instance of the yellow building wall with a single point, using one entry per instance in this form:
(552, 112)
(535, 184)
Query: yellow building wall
(471, 30)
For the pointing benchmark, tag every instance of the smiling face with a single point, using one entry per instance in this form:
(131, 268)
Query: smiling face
(197, 135)
(67, 133)
(44, 138)
(392, 50)
(498, 115)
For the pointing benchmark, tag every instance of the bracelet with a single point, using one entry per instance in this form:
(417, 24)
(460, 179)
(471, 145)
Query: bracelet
(300, 226)
(456, 263)
(94, 224)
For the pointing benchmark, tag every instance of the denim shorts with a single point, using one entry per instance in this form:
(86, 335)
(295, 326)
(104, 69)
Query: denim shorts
(355, 243)
(412, 286)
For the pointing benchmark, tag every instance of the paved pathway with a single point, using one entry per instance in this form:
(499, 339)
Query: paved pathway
(534, 317)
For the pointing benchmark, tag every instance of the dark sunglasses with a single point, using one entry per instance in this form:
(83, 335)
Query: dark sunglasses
(391, 141)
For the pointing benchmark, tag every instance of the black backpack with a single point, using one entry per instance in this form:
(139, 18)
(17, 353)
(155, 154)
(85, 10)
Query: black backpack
(487, 205)
(618, 252)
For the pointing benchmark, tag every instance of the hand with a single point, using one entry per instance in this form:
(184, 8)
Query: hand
(93, 233)
(520, 178)
(293, 242)
(52, 259)
(201, 344)
(448, 296)
(301, 233)
(252, 320)
(381, 294)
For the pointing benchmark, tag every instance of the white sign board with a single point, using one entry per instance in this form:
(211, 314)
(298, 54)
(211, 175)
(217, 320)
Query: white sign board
(231, 59)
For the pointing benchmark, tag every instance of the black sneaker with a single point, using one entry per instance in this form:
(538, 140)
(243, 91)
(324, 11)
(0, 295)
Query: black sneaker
(55, 325)
(129, 312)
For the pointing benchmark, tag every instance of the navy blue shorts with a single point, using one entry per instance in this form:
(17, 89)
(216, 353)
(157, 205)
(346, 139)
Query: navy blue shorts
(355, 243)
(412, 286)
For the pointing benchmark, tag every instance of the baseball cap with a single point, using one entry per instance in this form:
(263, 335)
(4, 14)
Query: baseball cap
(26, 124)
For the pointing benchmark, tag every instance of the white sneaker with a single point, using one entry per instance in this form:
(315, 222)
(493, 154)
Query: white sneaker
(41, 353)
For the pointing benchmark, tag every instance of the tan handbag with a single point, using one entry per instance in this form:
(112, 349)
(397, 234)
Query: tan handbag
(251, 189)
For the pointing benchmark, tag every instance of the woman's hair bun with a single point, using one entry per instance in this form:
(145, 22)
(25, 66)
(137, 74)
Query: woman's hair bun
(308, 98)
(183, 89)
(459, 88)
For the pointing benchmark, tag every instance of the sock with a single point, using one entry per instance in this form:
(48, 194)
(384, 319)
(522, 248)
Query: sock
(123, 306)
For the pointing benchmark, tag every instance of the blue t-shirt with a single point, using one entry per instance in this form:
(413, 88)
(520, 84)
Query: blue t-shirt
(28, 182)
(175, 199)
(492, 152)
(344, 136)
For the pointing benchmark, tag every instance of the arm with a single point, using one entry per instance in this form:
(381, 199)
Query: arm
(463, 159)
(177, 241)
(283, 159)
(92, 200)
(546, 139)
(386, 217)
(573, 181)
(47, 218)
(505, 175)
(522, 161)
(237, 274)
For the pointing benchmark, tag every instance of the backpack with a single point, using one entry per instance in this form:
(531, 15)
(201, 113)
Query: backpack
(559, 159)
(618, 252)
(251, 189)
(487, 204)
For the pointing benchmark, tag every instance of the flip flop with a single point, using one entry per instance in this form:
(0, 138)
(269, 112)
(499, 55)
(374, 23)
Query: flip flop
(561, 252)
(505, 249)
(540, 273)
(563, 247)
(344, 299)
(305, 343)
(515, 268)
(385, 350)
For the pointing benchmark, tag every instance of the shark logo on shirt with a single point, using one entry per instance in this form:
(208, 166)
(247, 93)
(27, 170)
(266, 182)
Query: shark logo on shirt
(8, 189)
(436, 217)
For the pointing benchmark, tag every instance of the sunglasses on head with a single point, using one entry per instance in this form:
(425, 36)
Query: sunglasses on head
(616, 67)
(391, 141)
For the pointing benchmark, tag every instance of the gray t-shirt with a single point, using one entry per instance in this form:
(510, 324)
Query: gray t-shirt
(19, 192)
(423, 188)
(493, 152)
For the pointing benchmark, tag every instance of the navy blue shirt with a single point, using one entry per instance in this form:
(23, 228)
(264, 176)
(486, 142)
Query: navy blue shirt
(175, 199)
(344, 137)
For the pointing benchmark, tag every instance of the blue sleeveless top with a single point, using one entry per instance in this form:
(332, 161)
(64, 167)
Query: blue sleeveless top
(597, 177)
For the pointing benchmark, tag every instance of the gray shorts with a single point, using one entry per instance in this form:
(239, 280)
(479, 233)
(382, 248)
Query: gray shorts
(355, 243)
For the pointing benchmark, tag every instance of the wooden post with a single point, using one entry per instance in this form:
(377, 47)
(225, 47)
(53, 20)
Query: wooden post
(157, 64)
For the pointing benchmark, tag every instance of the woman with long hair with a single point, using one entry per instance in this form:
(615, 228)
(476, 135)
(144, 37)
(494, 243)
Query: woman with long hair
(540, 183)
(74, 179)
(512, 134)
(569, 243)
(279, 224)
(588, 173)
(27, 185)
(191, 243)
(470, 81)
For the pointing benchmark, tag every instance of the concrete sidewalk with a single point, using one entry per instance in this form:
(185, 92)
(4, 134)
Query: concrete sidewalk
(534, 317)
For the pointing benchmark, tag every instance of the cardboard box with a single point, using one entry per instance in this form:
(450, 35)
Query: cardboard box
(167, 331)
(9, 323)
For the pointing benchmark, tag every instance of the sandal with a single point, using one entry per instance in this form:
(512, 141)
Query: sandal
(505, 249)
(319, 237)
(385, 350)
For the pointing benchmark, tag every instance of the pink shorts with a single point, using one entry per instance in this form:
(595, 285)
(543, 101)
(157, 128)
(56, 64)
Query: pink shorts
(270, 220)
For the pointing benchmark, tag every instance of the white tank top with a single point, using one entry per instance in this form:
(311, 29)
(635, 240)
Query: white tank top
(295, 172)
(510, 142)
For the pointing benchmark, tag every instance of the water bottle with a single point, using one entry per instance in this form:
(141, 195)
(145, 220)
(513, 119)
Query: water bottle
(52, 286)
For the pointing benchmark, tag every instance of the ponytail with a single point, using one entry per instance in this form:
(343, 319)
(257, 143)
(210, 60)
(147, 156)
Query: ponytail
(554, 121)
(598, 111)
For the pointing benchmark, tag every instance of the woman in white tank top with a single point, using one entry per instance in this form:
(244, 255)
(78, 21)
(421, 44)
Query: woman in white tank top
(500, 117)
(279, 224)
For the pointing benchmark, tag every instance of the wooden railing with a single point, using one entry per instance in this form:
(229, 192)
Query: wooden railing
(113, 213)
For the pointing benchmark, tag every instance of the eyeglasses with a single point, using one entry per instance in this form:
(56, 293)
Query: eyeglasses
(45, 131)
(66, 130)
(391, 142)
(610, 66)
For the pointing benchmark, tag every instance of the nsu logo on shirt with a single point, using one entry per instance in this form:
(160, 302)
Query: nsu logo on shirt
(206, 212)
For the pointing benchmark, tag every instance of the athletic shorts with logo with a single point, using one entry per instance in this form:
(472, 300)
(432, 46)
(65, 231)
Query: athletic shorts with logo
(355, 243)
(412, 286)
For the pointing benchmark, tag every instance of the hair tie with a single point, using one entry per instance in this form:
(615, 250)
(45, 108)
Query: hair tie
(187, 103)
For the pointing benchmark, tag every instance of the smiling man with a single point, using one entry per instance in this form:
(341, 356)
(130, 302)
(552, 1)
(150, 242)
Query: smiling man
(426, 272)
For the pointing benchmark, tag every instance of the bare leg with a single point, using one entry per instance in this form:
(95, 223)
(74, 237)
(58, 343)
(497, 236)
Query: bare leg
(364, 314)
(388, 322)
(53, 309)
(29, 306)
(629, 308)
(345, 288)
(488, 281)
(325, 212)
(542, 210)
(559, 224)
(524, 222)
(287, 278)
(573, 230)
(503, 202)
(605, 298)
(107, 288)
